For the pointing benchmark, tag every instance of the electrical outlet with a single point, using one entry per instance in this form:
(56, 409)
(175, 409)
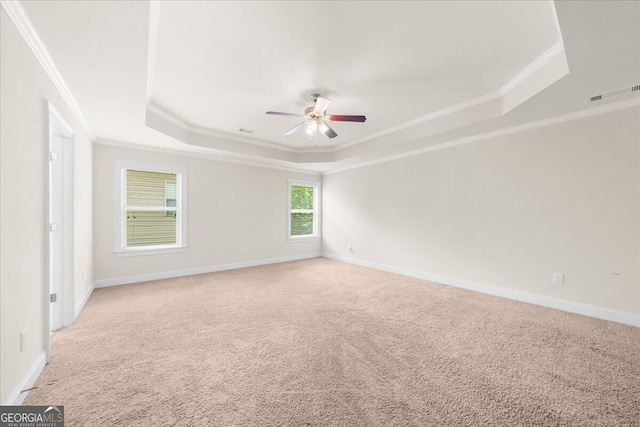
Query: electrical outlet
(558, 278)
(23, 339)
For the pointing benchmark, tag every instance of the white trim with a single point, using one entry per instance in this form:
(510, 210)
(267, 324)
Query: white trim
(317, 209)
(23, 24)
(232, 137)
(195, 130)
(531, 69)
(305, 238)
(68, 233)
(55, 123)
(541, 300)
(157, 250)
(59, 123)
(167, 116)
(554, 12)
(208, 156)
(427, 117)
(80, 305)
(16, 397)
(150, 166)
(589, 112)
(117, 281)
(152, 108)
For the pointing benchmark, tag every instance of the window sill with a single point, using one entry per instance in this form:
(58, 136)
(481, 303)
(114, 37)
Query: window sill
(157, 251)
(303, 238)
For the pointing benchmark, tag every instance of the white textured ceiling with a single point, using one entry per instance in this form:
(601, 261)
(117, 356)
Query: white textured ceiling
(187, 75)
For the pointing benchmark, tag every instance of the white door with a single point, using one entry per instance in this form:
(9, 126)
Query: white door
(55, 228)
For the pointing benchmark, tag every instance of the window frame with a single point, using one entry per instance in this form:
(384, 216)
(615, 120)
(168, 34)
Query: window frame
(120, 248)
(175, 200)
(316, 210)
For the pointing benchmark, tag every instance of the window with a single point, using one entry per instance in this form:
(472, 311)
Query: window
(170, 196)
(304, 212)
(150, 208)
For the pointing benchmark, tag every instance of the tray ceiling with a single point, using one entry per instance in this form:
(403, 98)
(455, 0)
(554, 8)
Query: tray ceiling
(189, 75)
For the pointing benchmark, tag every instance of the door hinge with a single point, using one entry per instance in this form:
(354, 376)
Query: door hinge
(53, 226)
(53, 156)
(53, 297)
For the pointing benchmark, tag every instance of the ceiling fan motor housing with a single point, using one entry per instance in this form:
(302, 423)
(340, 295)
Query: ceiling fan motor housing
(308, 112)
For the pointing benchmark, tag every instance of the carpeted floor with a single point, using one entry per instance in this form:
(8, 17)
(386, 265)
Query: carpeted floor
(324, 343)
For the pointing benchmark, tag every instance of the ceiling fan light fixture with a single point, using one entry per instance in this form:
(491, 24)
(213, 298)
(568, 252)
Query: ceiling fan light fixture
(311, 127)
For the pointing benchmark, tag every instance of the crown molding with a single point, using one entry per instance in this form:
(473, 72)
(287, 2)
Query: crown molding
(18, 16)
(216, 134)
(531, 69)
(224, 135)
(428, 117)
(275, 164)
(168, 117)
(232, 137)
(589, 112)
(207, 156)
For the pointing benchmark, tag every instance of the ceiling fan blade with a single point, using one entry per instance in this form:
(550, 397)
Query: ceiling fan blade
(326, 129)
(278, 113)
(346, 118)
(296, 128)
(321, 105)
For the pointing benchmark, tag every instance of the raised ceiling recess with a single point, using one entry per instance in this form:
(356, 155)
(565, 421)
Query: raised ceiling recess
(413, 68)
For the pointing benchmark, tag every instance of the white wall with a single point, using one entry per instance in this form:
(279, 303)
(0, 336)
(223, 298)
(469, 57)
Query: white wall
(23, 154)
(506, 212)
(235, 214)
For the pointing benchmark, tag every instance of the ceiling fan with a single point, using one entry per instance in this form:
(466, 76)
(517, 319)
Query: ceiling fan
(316, 117)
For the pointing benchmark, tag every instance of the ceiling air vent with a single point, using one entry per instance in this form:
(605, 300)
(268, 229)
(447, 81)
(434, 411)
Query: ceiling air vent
(615, 94)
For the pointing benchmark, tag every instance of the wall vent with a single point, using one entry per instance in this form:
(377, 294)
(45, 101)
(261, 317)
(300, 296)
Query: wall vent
(617, 93)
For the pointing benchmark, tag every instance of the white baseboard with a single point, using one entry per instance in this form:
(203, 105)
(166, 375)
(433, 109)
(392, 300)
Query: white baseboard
(545, 301)
(116, 281)
(80, 305)
(17, 396)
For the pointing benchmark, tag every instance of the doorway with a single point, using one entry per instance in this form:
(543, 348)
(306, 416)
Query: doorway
(59, 225)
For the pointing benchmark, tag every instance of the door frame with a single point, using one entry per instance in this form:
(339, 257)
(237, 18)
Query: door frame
(55, 124)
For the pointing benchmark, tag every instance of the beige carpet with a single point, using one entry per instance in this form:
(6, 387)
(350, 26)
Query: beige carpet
(324, 343)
